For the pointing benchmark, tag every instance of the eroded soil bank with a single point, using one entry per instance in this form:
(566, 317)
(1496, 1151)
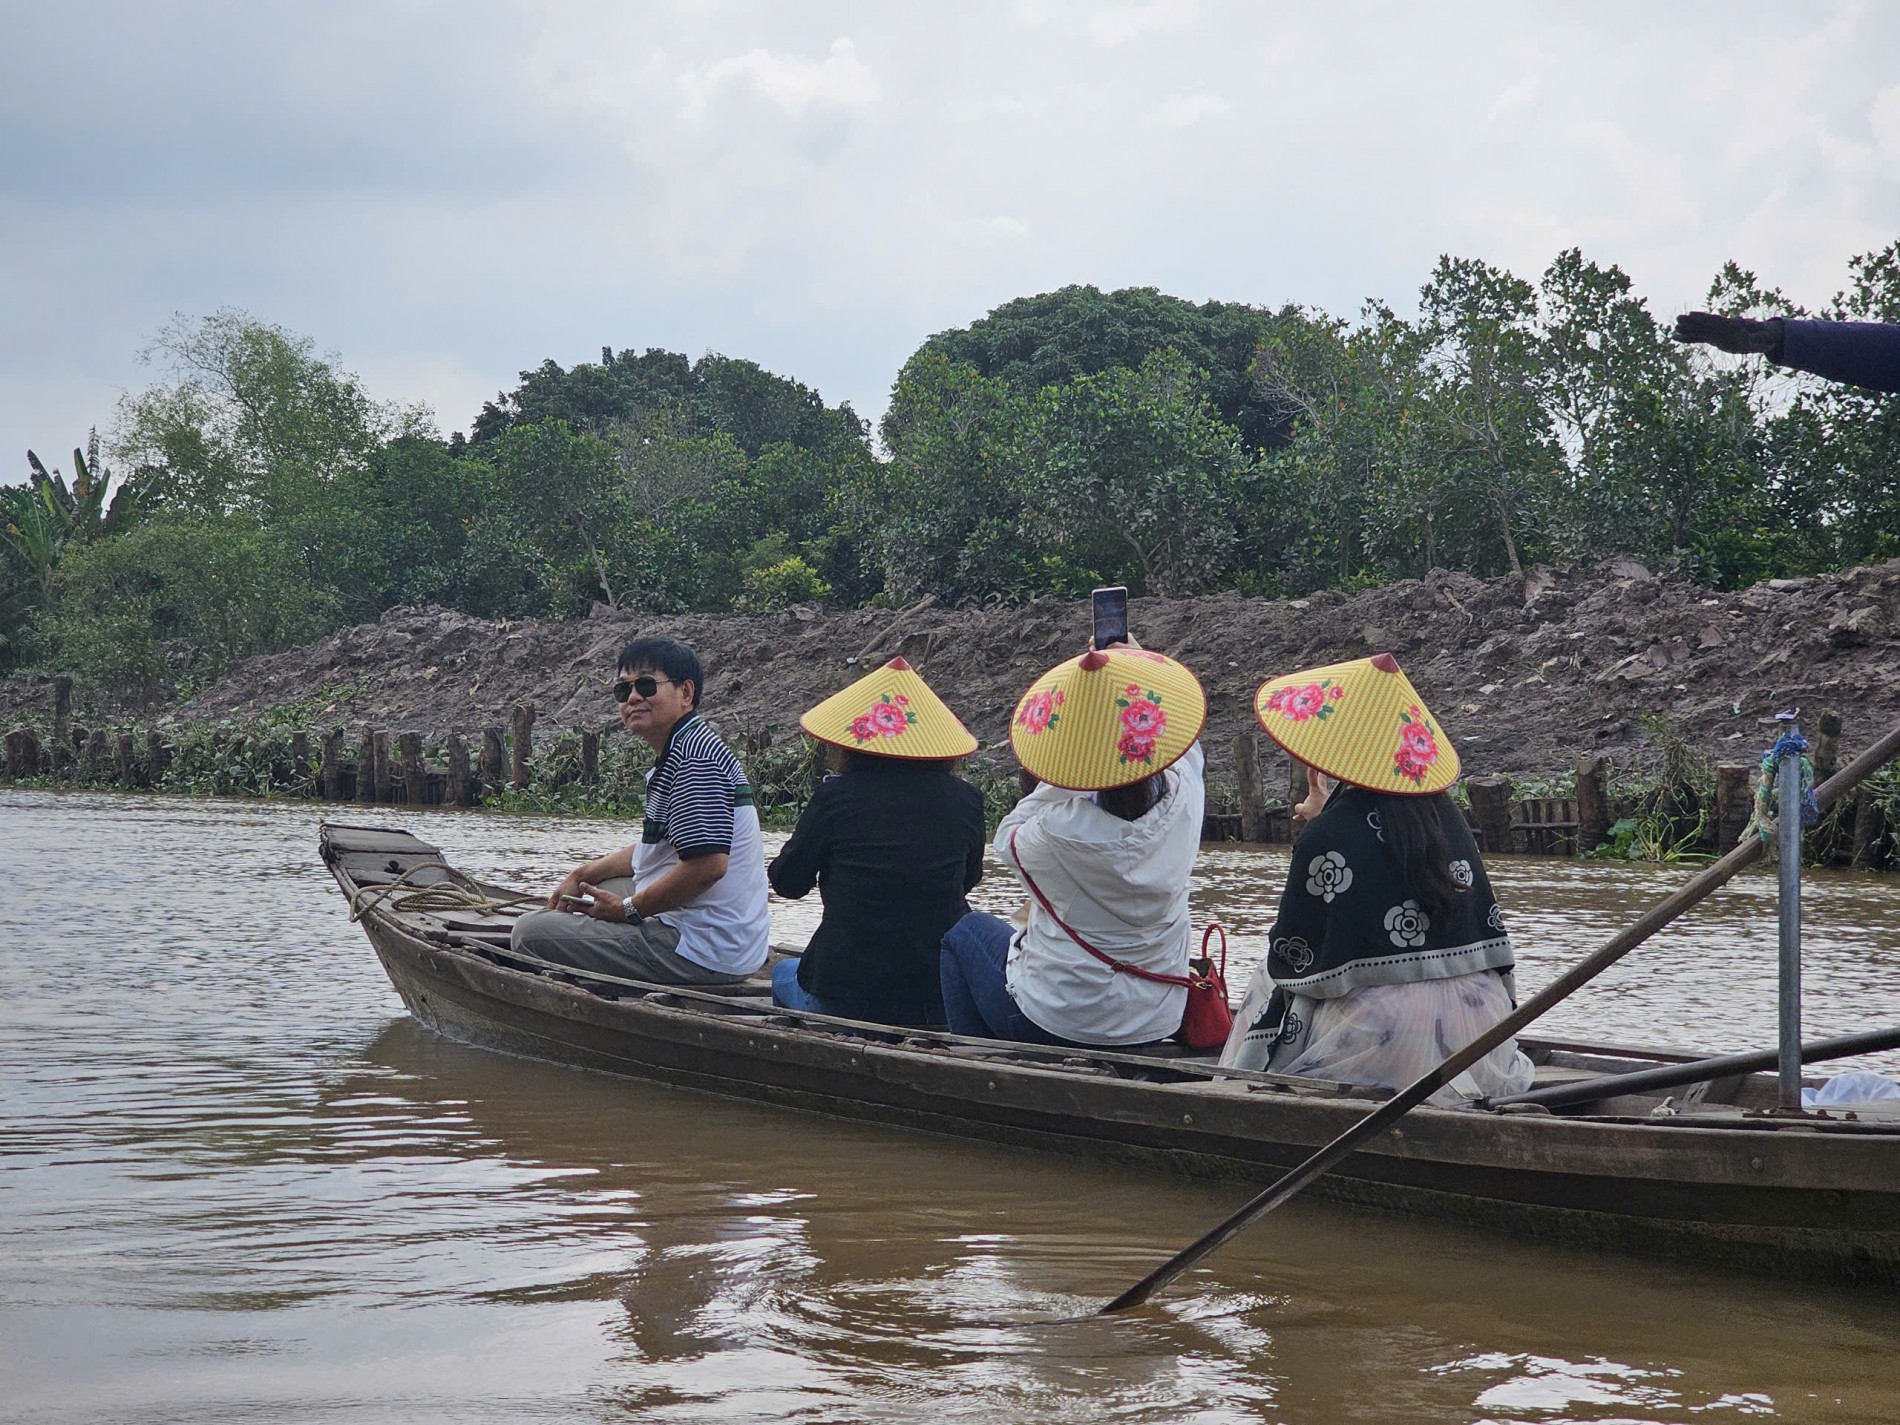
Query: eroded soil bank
(1526, 673)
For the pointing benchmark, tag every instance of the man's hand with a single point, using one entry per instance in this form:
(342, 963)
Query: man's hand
(605, 907)
(570, 886)
(1737, 334)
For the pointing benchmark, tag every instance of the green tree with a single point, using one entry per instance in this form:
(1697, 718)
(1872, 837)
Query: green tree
(942, 515)
(179, 598)
(1056, 337)
(1481, 323)
(1129, 476)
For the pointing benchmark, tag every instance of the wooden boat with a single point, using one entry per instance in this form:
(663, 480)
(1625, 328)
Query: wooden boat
(1708, 1172)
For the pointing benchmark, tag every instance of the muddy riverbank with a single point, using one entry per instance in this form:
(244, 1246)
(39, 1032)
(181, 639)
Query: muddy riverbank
(1527, 673)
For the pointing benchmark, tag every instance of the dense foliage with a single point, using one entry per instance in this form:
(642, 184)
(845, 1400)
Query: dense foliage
(1074, 438)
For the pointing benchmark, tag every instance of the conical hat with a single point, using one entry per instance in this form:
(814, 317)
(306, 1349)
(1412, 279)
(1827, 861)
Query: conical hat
(1107, 718)
(890, 712)
(1362, 722)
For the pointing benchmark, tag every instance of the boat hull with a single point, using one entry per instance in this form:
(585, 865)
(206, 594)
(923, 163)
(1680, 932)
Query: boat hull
(1782, 1201)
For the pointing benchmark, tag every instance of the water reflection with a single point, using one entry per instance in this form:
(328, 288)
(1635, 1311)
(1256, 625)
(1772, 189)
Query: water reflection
(235, 1180)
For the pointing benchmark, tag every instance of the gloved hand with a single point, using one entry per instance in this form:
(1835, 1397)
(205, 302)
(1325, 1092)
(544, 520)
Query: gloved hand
(1736, 334)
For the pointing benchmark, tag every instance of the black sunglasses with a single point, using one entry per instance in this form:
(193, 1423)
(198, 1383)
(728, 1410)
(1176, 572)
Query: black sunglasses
(646, 685)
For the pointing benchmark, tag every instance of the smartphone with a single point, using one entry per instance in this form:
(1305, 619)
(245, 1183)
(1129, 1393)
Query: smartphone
(577, 900)
(1111, 615)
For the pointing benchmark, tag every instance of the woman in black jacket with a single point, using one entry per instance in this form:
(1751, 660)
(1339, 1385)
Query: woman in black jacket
(894, 843)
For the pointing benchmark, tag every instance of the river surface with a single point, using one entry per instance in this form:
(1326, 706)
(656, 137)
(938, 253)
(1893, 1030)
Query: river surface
(238, 1183)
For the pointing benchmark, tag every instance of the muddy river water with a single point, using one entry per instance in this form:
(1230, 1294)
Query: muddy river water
(237, 1182)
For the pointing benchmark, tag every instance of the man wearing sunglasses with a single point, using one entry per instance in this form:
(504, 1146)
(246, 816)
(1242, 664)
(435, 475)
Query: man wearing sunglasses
(686, 903)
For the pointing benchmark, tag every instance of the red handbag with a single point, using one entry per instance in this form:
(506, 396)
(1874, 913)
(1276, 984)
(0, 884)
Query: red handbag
(1207, 1019)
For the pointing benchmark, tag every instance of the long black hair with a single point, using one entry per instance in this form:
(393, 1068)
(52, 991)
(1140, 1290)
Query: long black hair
(1413, 829)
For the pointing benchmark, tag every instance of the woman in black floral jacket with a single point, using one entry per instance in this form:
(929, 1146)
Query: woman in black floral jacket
(1389, 951)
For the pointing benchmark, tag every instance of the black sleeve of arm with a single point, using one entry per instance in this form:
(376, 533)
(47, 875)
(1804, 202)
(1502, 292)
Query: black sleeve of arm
(1858, 353)
(794, 871)
(979, 843)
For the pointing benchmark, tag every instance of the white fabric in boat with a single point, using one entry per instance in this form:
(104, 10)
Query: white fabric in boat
(1385, 1035)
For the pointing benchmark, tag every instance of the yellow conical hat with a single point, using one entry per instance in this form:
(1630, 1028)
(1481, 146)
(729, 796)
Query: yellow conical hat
(1362, 722)
(1107, 718)
(890, 712)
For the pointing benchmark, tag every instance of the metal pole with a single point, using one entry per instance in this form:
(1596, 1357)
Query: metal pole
(1788, 829)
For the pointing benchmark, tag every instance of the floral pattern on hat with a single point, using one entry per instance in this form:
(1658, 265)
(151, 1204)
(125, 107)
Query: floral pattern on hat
(1418, 745)
(1306, 700)
(1038, 713)
(1142, 722)
(889, 716)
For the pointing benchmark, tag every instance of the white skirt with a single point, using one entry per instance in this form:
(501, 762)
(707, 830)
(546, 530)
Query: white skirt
(1384, 1035)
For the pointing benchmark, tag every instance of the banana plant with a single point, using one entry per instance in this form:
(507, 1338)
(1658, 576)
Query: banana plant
(43, 517)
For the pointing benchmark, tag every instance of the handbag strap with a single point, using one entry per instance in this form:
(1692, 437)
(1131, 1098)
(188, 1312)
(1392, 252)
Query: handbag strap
(1214, 927)
(1120, 967)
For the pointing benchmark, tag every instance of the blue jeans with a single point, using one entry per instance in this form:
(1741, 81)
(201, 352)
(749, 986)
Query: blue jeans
(787, 993)
(975, 994)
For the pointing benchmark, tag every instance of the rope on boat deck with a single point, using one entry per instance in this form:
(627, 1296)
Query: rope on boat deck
(462, 893)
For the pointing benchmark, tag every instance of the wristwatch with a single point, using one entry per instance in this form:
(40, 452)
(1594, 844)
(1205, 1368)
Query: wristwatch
(633, 916)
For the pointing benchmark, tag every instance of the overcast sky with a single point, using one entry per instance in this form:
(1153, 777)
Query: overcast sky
(446, 193)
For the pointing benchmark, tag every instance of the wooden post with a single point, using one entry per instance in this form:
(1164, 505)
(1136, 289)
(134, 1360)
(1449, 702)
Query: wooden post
(62, 720)
(97, 755)
(1734, 802)
(366, 767)
(521, 725)
(415, 781)
(494, 759)
(1253, 805)
(460, 791)
(1832, 837)
(128, 760)
(331, 772)
(590, 757)
(1491, 800)
(1827, 747)
(1870, 832)
(301, 784)
(379, 764)
(155, 758)
(1593, 803)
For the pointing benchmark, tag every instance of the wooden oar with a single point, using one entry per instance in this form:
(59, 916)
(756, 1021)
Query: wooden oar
(1698, 1071)
(1693, 893)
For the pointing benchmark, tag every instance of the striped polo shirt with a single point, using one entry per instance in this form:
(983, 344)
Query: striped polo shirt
(699, 803)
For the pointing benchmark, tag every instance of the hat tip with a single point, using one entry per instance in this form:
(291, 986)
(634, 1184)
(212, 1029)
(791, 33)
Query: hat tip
(1385, 663)
(1093, 659)
(899, 664)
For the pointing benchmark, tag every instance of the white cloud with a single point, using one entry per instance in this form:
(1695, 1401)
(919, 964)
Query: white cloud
(1883, 117)
(1189, 109)
(1118, 24)
(794, 82)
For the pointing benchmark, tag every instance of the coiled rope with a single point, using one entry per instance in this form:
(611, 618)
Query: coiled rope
(459, 892)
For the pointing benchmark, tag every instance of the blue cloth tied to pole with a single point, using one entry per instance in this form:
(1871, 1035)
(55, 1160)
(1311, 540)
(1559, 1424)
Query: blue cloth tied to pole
(1791, 744)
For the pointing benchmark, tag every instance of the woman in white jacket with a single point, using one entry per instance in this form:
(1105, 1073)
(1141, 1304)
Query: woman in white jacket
(1104, 846)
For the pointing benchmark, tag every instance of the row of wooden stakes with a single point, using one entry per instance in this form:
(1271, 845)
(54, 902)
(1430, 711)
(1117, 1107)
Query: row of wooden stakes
(390, 769)
(386, 768)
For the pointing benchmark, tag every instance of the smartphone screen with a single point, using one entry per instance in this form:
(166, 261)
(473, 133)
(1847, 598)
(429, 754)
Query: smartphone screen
(1111, 615)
